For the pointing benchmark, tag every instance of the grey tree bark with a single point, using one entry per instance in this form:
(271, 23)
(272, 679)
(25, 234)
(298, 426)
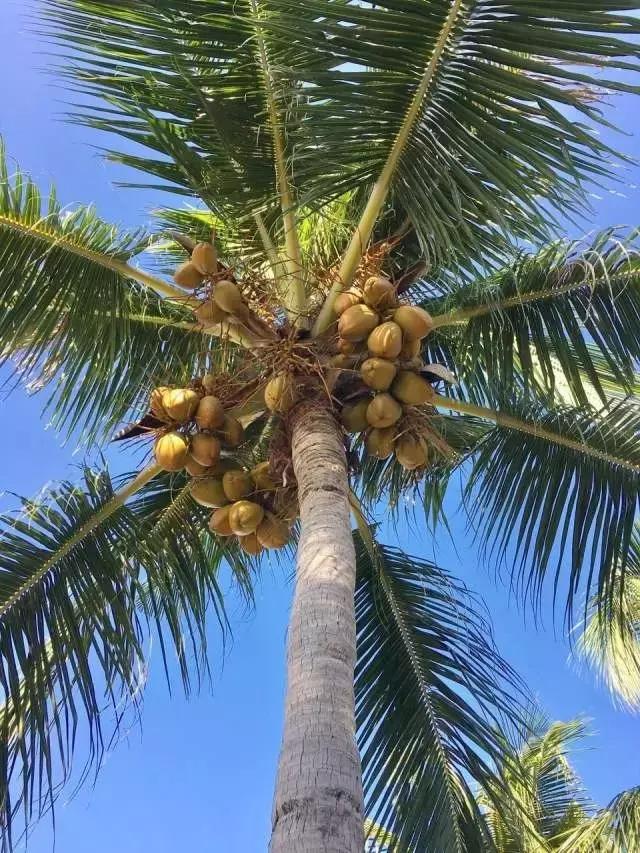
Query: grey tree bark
(318, 805)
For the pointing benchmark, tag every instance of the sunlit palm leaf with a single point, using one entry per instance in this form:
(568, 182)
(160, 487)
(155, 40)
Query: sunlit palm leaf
(430, 692)
(615, 829)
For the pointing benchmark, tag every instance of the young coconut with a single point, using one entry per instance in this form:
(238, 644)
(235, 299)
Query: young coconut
(416, 323)
(171, 451)
(261, 476)
(237, 484)
(231, 432)
(205, 449)
(195, 469)
(210, 413)
(354, 415)
(219, 522)
(379, 442)
(227, 295)
(411, 452)
(272, 532)
(208, 382)
(281, 393)
(379, 293)
(383, 411)
(251, 545)
(204, 258)
(357, 322)
(188, 276)
(209, 492)
(385, 340)
(346, 347)
(180, 404)
(345, 300)
(411, 389)
(210, 312)
(156, 405)
(410, 349)
(244, 517)
(378, 373)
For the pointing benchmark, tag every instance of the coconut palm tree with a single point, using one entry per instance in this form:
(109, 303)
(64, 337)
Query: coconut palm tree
(352, 319)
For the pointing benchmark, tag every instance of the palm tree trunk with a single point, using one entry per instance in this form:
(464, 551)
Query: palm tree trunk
(318, 804)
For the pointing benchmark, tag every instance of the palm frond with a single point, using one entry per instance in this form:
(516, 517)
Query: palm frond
(431, 694)
(556, 317)
(615, 828)
(609, 641)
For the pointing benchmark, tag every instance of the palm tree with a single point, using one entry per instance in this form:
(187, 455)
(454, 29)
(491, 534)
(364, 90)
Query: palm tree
(390, 158)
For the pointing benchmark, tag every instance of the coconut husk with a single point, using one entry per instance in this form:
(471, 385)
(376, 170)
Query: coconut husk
(383, 411)
(385, 341)
(219, 522)
(379, 293)
(210, 413)
(205, 258)
(357, 322)
(378, 373)
(380, 442)
(244, 517)
(188, 276)
(205, 449)
(209, 491)
(415, 322)
(237, 484)
(171, 451)
(411, 389)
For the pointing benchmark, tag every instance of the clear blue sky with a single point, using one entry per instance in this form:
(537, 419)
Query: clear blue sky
(199, 775)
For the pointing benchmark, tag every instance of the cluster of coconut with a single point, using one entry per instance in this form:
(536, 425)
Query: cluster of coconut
(384, 339)
(198, 428)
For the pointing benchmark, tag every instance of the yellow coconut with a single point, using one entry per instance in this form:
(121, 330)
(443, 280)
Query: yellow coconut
(385, 340)
(378, 373)
(354, 415)
(237, 484)
(411, 452)
(156, 405)
(231, 432)
(188, 276)
(415, 322)
(379, 442)
(383, 411)
(379, 293)
(227, 295)
(204, 258)
(251, 545)
(357, 322)
(219, 522)
(244, 517)
(205, 449)
(410, 349)
(171, 451)
(196, 469)
(210, 413)
(411, 389)
(180, 404)
(272, 532)
(209, 492)
(345, 300)
(210, 312)
(261, 476)
(281, 393)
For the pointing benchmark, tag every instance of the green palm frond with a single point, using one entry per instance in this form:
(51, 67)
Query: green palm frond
(544, 318)
(615, 829)
(75, 316)
(431, 693)
(556, 484)
(609, 642)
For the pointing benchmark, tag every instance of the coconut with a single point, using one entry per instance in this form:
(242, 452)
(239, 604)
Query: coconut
(378, 373)
(379, 293)
(272, 532)
(208, 382)
(227, 295)
(171, 451)
(209, 492)
(281, 393)
(354, 415)
(261, 476)
(251, 545)
(204, 258)
(188, 276)
(383, 411)
(415, 322)
(219, 522)
(210, 312)
(410, 349)
(180, 404)
(346, 299)
(205, 449)
(385, 340)
(231, 432)
(237, 484)
(343, 362)
(357, 322)
(196, 469)
(411, 389)
(346, 347)
(380, 442)
(244, 517)
(411, 452)
(210, 413)
(156, 405)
